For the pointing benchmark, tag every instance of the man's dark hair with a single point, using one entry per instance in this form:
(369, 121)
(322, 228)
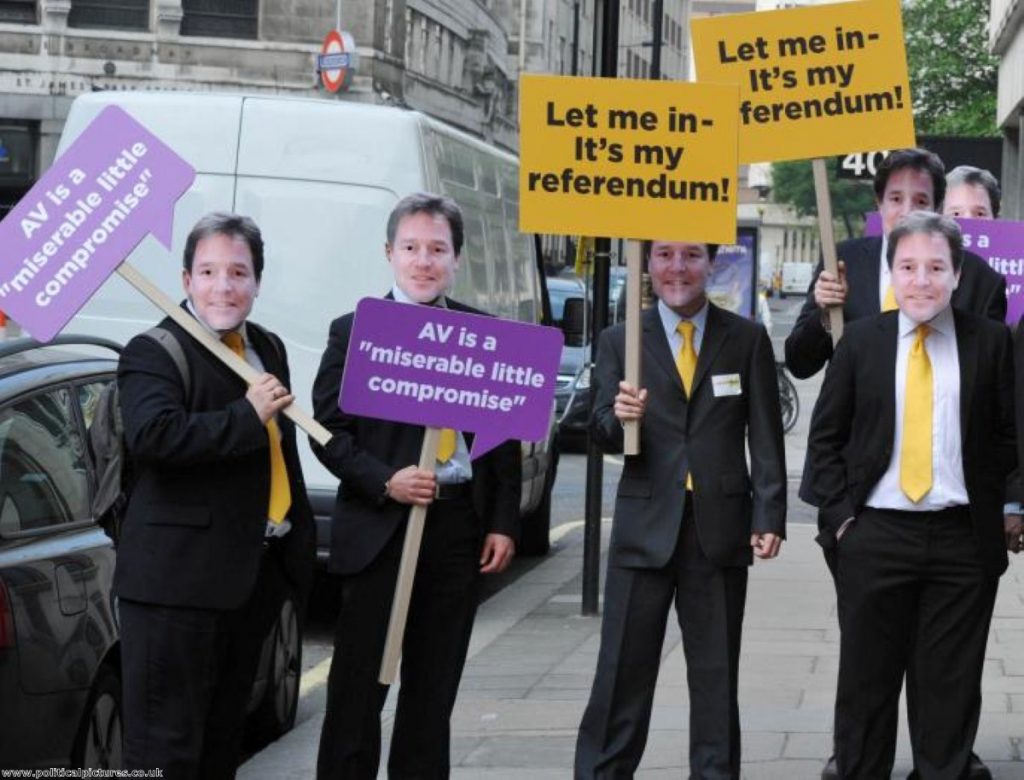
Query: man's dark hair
(917, 160)
(968, 174)
(233, 225)
(929, 223)
(428, 203)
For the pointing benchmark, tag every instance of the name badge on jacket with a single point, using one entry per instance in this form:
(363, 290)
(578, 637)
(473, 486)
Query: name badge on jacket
(726, 384)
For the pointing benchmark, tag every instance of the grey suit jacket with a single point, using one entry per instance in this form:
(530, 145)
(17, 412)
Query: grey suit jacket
(705, 435)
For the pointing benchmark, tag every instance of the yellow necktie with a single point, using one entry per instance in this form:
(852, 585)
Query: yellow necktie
(446, 445)
(686, 365)
(889, 304)
(686, 360)
(280, 490)
(916, 454)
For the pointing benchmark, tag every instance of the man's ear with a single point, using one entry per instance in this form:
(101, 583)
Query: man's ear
(186, 282)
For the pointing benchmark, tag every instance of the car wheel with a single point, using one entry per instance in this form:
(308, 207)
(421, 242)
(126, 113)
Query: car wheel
(275, 714)
(100, 743)
(535, 538)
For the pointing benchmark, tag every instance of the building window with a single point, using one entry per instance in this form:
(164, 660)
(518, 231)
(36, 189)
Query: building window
(110, 14)
(409, 36)
(18, 11)
(221, 18)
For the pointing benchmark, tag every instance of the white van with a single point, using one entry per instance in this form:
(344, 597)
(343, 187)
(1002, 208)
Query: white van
(796, 279)
(320, 177)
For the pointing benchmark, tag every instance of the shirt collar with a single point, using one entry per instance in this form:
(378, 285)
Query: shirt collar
(941, 323)
(670, 319)
(401, 297)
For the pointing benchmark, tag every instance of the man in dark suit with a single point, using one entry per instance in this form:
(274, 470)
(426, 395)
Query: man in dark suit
(911, 442)
(218, 525)
(472, 520)
(906, 180)
(689, 515)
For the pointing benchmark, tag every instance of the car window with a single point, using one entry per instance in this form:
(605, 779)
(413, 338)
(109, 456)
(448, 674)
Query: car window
(558, 296)
(43, 479)
(88, 397)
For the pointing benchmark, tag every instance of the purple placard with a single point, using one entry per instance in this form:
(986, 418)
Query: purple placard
(999, 242)
(437, 367)
(113, 185)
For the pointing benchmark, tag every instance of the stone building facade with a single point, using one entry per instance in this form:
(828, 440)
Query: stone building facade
(1006, 29)
(447, 58)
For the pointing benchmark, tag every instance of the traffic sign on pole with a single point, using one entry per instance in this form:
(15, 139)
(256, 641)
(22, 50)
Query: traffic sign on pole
(336, 62)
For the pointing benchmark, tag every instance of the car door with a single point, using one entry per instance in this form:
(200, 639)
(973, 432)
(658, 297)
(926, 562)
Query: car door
(54, 560)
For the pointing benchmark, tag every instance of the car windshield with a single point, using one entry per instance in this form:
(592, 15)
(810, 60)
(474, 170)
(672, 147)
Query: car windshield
(558, 298)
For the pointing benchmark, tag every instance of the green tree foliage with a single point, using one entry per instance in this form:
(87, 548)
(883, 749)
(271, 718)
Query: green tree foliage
(793, 184)
(952, 74)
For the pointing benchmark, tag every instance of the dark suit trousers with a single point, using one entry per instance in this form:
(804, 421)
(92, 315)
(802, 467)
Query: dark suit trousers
(914, 599)
(709, 604)
(434, 651)
(188, 674)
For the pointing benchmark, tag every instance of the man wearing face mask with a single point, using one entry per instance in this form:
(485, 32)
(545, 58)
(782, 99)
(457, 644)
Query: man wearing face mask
(908, 179)
(690, 515)
(218, 525)
(470, 526)
(910, 444)
(972, 193)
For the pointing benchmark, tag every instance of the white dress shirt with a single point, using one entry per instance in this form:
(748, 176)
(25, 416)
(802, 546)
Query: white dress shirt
(670, 321)
(948, 485)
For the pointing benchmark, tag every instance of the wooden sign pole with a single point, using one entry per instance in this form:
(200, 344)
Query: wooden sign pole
(828, 241)
(634, 281)
(195, 329)
(407, 569)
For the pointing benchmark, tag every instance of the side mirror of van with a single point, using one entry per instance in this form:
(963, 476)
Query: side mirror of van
(573, 316)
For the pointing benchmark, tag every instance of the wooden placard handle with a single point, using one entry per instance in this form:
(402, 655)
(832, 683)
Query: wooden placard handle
(634, 281)
(828, 240)
(166, 304)
(407, 569)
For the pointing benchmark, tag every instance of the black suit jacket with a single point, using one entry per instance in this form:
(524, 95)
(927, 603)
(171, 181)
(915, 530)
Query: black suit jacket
(194, 529)
(982, 290)
(706, 436)
(852, 429)
(364, 453)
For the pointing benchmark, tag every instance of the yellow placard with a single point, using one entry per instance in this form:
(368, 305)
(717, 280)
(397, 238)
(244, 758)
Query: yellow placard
(628, 158)
(814, 81)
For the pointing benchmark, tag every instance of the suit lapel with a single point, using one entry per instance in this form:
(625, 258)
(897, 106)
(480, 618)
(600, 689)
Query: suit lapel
(716, 333)
(657, 348)
(888, 327)
(968, 358)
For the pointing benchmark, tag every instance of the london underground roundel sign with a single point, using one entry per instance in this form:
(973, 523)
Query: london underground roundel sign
(334, 63)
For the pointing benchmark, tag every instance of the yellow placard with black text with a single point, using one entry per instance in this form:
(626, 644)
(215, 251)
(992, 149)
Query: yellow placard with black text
(628, 158)
(814, 81)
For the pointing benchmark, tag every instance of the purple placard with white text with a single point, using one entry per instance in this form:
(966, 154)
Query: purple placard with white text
(999, 242)
(437, 367)
(113, 185)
